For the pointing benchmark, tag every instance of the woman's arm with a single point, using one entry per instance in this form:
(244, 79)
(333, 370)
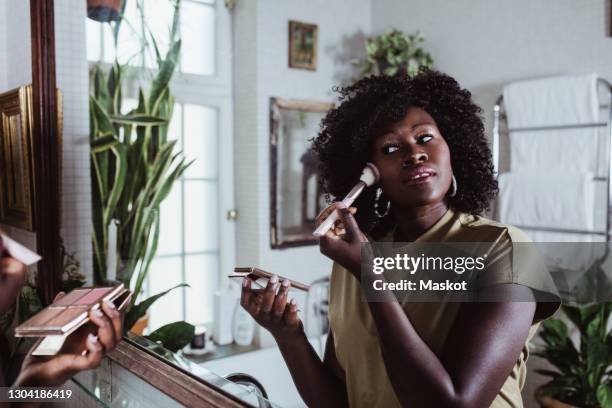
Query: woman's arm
(479, 354)
(480, 351)
(315, 380)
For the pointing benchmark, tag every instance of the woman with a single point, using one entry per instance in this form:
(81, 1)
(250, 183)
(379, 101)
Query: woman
(427, 140)
(83, 350)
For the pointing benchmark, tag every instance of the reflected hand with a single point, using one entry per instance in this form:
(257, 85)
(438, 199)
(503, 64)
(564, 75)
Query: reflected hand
(83, 350)
(12, 278)
(270, 308)
(343, 242)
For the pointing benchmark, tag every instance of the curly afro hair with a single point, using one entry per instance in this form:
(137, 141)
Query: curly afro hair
(347, 135)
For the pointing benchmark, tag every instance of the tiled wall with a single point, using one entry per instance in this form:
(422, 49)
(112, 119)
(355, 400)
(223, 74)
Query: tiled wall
(72, 79)
(261, 72)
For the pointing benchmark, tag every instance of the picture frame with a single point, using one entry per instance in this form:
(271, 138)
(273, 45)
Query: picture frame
(303, 43)
(295, 193)
(16, 159)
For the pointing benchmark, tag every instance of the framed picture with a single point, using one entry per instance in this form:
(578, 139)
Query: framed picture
(296, 196)
(303, 45)
(16, 174)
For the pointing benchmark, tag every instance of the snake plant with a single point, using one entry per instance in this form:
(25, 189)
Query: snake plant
(133, 168)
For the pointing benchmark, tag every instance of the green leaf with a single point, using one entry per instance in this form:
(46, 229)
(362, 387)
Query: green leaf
(173, 336)
(102, 144)
(139, 310)
(138, 120)
(604, 395)
(554, 332)
(166, 70)
(104, 125)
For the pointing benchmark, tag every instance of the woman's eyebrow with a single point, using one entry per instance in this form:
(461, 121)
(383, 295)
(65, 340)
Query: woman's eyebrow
(417, 125)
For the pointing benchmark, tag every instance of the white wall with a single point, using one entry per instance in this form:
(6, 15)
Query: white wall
(261, 71)
(485, 44)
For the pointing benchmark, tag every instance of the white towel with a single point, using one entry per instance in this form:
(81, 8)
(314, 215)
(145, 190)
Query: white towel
(561, 200)
(559, 150)
(562, 100)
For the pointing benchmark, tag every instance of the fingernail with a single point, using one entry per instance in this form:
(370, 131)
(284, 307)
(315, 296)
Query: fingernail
(83, 352)
(92, 338)
(110, 304)
(274, 278)
(98, 313)
(245, 282)
(286, 283)
(293, 302)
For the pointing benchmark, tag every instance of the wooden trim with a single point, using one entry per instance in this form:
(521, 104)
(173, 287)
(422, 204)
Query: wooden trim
(173, 381)
(46, 149)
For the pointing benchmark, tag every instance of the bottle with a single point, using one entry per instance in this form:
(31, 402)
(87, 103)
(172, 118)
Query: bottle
(243, 326)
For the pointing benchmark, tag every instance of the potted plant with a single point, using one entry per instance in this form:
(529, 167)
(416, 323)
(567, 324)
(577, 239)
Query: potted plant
(583, 371)
(394, 52)
(133, 169)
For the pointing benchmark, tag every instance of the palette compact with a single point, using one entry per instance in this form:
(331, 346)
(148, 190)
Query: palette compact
(260, 278)
(67, 314)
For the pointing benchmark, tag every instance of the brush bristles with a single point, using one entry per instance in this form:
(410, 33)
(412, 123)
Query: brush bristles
(370, 175)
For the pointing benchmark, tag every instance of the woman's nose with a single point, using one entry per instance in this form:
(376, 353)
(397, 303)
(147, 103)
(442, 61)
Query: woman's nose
(415, 159)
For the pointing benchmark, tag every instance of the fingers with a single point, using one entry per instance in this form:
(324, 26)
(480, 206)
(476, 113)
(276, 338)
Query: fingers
(278, 309)
(269, 295)
(290, 316)
(326, 212)
(248, 299)
(106, 331)
(329, 209)
(71, 364)
(350, 224)
(114, 315)
(59, 296)
(13, 268)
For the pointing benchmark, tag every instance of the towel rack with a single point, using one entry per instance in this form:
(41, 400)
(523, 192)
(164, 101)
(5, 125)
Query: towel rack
(499, 115)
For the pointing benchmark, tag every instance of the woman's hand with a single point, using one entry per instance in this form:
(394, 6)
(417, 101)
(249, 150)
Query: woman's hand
(344, 241)
(12, 278)
(270, 308)
(83, 350)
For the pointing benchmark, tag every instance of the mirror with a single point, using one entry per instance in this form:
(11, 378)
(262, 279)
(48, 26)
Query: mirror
(296, 198)
(237, 112)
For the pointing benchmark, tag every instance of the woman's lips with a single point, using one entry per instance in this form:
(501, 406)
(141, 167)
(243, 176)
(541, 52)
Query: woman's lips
(418, 175)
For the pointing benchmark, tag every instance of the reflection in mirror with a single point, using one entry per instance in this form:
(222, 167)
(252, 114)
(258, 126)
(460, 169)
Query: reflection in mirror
(296, 197)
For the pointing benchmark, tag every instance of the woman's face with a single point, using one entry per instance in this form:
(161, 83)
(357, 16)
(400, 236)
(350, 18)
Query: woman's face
(413, 160)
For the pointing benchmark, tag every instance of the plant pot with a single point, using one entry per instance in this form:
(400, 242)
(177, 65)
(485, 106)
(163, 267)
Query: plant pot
(140, 325)
(103, 11)
(549, 402)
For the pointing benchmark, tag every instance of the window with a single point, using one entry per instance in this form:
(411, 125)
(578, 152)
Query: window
(196, 241)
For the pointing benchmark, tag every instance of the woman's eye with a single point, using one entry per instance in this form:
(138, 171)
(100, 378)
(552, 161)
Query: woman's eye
(390, 149)
(424, 138)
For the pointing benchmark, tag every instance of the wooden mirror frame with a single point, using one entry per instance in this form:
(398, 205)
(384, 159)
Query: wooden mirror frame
(276, 105)
(47, 157)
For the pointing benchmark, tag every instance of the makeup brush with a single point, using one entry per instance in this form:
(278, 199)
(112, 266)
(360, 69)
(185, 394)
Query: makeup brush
(369, 177)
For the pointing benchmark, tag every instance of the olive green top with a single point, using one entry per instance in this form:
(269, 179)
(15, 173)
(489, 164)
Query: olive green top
(355, 337)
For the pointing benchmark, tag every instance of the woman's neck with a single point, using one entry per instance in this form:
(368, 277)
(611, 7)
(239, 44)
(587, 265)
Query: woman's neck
(413, 222)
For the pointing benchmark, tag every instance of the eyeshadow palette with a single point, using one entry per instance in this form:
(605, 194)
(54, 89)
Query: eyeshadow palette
(260, 278)
(70, 312)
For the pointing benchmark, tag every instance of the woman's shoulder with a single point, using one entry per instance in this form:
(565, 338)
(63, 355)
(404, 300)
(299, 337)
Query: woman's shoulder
(482, 228)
